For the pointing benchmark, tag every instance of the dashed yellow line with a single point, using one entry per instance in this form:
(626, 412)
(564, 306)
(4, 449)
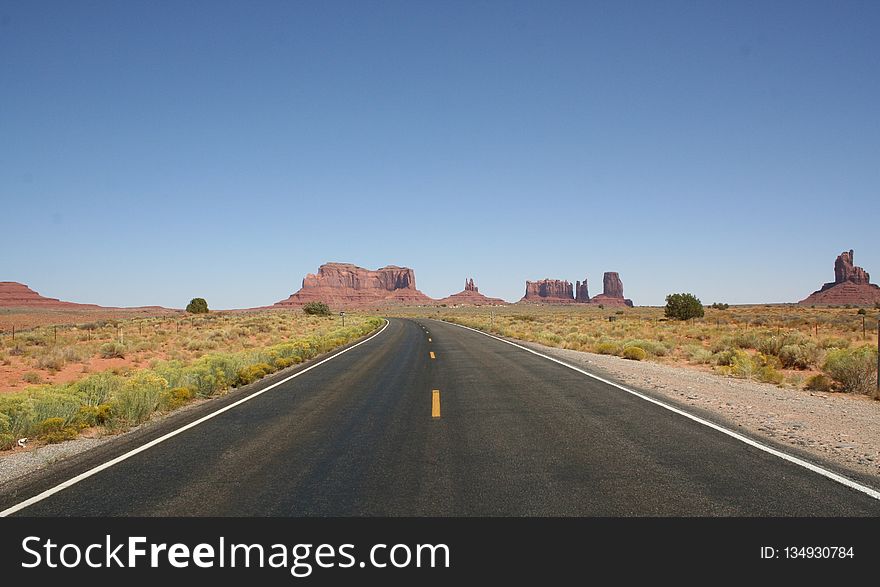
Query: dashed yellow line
(432, 355)
(435, 403)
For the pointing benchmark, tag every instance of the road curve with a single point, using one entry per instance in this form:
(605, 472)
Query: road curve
(516, 435)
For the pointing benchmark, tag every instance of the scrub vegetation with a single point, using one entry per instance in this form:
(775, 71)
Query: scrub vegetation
(112, 375)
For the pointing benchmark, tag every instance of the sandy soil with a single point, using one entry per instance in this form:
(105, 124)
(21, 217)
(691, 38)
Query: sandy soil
(842, 429)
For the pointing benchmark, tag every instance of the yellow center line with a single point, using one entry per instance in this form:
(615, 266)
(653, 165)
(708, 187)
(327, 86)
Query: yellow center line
(435, 403)
(432, 355)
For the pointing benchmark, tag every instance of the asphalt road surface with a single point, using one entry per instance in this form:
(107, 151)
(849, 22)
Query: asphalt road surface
(506, 433)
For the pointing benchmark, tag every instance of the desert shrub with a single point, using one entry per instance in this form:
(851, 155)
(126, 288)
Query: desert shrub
(94, 415)
(32, 378)
(606, 348)
(171, 399)
(634, 353)
(820, 382)
(745, 340)
(252, 373)
(98, 388)
(54, 430)
(54, 360)
(683, 306)
(741, 365)
(769, 374)
(197, 306)
(111, 350)
(719, 306)
(282, 363)
(316, 309)
(862, 312)
(799, 356)
(698, 354)
(658, 349)
(834, 342)
(854, 370)
(724, 358)
(138, 398)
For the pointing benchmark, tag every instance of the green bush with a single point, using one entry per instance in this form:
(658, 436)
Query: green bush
(317, 309)
(862, 312)
(854, 370)
(111, 350)
(634, 353)
(683, 306)
(197, 306)
(719, 306)
(820, 382)
(7, 440)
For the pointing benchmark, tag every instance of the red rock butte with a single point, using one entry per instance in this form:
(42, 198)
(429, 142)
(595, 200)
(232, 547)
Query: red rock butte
(852, 285)
(343, 285)
(556, 291)
(612, 292)
(470, 296)
(18, 295)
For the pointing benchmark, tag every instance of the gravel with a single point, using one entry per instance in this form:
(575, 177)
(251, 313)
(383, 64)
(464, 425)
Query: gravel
(842, 429)
(22, 461)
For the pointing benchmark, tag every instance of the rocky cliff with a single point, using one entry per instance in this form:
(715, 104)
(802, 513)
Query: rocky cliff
(851, 285)
(612, 291)
(581, 292)
(343, 285)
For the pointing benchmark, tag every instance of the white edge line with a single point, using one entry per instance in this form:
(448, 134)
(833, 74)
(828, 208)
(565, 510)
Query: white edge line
(782, 455)
(85, 475)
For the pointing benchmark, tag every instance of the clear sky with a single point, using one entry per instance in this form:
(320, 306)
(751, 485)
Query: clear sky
(151, 152)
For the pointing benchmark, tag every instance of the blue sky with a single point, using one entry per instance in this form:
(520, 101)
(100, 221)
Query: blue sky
(151, 152)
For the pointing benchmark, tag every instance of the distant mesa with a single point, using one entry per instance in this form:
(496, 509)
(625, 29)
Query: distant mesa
(471, 296)
(18, 295)
(343, 285)
(556, 291)
(852, 285)
(549, 291)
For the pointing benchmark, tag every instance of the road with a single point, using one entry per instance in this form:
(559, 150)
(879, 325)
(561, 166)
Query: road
(517, 435)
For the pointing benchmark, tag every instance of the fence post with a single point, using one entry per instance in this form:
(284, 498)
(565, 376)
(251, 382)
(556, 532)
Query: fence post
(13, 332)
(878, 356)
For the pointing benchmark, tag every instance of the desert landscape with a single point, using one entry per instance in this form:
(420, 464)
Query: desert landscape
(67, 368)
